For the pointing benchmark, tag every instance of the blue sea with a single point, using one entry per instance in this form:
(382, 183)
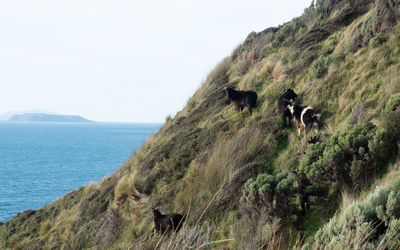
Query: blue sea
(40, 162)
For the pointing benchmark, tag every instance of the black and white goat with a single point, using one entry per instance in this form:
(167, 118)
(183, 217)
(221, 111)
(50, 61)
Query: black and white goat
(306, 117)
(283, 102)
(242, 98)
(166, 222)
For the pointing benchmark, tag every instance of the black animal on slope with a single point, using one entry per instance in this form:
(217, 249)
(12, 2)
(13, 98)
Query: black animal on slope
(305, 117)
(283, 102)
(242, 98)
(167, 222)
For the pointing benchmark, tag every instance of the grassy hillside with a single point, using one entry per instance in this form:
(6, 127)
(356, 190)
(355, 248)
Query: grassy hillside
(235, 175)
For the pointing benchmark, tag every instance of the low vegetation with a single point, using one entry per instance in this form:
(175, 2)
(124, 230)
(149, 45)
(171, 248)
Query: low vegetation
(372, 223)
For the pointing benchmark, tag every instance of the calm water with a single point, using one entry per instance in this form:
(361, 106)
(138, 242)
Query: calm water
(40, 162)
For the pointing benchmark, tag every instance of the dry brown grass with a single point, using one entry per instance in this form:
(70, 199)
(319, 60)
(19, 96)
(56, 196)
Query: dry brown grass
(347, 199)
(125, 191)
(279, 72)
(268, 68)
(44, 228)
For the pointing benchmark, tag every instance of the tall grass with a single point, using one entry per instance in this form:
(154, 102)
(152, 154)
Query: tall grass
(279, 72)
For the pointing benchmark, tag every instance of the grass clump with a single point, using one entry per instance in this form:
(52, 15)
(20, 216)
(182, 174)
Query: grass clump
(279, 72)
(320, 66)
(45, 227)
(393, 103)
(125, 190)
(377, 40)
(267, 69)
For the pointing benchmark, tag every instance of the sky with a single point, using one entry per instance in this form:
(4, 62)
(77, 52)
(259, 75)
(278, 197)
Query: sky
(120, 60)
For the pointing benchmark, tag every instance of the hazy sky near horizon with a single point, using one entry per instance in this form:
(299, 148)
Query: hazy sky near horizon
(121, 61)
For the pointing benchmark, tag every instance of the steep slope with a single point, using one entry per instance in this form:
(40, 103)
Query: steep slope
(240, 178)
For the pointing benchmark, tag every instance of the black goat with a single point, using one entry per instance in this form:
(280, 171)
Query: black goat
(283, 102)
(306, 117)
(167, 222)
(242, 98)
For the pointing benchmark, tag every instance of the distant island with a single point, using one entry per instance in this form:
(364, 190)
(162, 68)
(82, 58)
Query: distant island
(7, 115)
(38, 117)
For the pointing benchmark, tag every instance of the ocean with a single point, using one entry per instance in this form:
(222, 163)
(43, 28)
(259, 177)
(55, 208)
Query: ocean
(40, 162)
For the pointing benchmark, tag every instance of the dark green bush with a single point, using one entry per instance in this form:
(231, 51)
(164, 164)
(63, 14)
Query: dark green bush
(391, 123)
(349, 157)
(270, 194)
(285, 35)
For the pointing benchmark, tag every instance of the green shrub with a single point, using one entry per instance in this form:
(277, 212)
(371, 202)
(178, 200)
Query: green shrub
(363, 34)
(346, 9)
(366, 25)
(285, 35)
(320, 66)
(272, 194)
(393, 103)
(350, 157)
(367, 223)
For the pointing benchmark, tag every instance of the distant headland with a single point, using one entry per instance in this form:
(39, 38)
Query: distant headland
(39, 117)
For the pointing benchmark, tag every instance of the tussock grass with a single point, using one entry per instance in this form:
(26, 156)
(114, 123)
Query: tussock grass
(279, 72)
(67, 219)
(347, 198)
(268, 68)
(45, 227)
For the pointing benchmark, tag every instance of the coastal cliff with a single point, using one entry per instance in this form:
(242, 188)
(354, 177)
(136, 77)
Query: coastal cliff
(238, 177)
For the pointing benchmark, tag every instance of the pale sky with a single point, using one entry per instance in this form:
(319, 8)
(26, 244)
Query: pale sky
(120, 60)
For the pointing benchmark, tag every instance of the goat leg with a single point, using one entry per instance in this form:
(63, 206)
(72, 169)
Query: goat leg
(298, 128)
